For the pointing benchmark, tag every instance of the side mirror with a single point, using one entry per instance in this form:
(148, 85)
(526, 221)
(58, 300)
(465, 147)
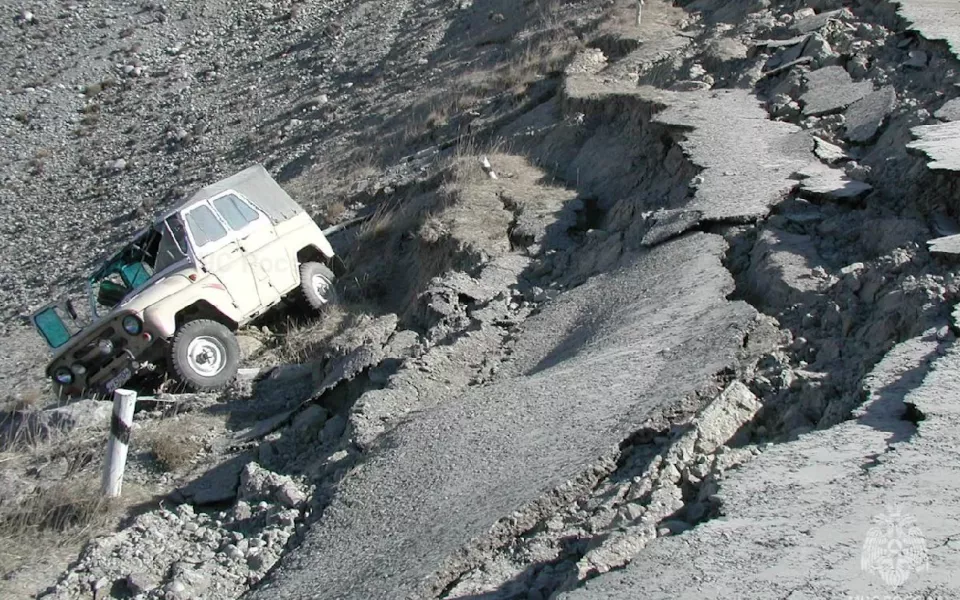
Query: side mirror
(71, 309)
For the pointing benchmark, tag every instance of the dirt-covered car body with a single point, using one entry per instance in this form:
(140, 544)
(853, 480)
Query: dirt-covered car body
(227, 254)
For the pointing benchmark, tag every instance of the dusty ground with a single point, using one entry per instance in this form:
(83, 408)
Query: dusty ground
(689, 341)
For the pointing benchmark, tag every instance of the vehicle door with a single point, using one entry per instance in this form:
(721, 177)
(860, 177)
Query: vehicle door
(219, 253)
(266, 254)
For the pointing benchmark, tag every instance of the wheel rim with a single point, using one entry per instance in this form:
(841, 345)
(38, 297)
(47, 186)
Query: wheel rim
(207, 356)
(321, 285)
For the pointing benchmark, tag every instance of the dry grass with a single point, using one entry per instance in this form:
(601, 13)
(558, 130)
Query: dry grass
(64, 509)
(539, 56)
(387, 219)
(302, 342)
(68, 510)
(23, 438)
(542, 56)
(30, 399)
(50, 526)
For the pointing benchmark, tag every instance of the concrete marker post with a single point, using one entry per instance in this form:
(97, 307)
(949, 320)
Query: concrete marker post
(487, 167)
(116, 459)
(639, 11)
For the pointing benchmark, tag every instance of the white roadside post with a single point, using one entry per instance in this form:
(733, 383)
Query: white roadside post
(116, 460)
(639, 11)
(487, 167)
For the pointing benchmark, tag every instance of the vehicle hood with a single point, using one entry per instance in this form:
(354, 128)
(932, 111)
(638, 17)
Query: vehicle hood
(137, 302)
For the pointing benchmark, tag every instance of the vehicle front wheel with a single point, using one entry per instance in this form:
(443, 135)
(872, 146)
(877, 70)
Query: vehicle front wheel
(205, 355)
(316, 285)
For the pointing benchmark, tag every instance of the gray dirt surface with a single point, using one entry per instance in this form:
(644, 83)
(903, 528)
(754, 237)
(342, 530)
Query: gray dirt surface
(603, 352)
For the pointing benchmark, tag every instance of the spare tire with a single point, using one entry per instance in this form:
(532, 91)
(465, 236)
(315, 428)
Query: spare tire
(316, 285)
(205, 355)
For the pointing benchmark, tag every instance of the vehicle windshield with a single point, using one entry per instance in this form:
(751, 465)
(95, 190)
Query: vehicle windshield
(127, 271)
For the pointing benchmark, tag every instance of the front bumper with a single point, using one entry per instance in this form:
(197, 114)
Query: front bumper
(126, 362)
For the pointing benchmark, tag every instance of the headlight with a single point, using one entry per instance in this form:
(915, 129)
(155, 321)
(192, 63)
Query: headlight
(105, 346)
(79, 369)
(63, 376)
(132, 324)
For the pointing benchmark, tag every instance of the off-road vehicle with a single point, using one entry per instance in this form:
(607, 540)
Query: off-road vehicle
(174, 297)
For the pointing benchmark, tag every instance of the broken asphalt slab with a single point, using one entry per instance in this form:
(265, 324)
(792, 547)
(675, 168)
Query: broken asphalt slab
(824, 498)
(816, 22)
(830, 90)
(747, 159)
(669, 224)
(864, 118)
(934, 20)
(940, 143)
(823, 183)
(616, 352)
(748, 162)
(950, 111)
(949, 245)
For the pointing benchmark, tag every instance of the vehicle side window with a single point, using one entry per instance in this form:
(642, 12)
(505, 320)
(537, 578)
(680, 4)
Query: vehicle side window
(235, 211)
(204, 225)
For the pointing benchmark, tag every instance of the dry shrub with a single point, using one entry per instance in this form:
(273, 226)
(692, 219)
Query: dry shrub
(174, 444)
(383, 221)
(332, 212)
(29, 400)
(433, 230)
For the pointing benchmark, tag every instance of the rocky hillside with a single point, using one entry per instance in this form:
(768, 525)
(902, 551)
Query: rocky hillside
(658, 308)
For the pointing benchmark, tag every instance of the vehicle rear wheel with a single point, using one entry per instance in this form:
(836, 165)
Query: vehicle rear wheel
(205, 355)
(316, 285)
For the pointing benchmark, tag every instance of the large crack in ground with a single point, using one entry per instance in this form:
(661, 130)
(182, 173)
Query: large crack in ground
(554, 555)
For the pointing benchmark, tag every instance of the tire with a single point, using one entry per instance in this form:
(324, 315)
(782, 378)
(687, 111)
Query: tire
(205, 355)
(316, 286)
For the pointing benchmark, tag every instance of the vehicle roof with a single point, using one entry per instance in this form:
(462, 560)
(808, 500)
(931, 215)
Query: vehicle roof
(253, 183)
(256, 185)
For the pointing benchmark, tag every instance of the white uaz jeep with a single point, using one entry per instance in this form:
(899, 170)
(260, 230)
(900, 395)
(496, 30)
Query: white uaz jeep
(176, 294)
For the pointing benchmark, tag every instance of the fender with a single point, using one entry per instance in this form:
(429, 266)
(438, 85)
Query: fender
(161, 317)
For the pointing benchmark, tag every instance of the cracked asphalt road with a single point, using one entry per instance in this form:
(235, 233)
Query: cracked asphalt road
(614, 352)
